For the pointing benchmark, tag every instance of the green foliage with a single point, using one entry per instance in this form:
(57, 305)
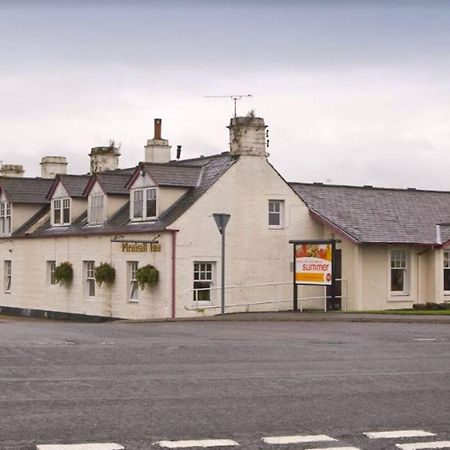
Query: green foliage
(105, 273)
(430, 306)
(147, 276)
(64, 273)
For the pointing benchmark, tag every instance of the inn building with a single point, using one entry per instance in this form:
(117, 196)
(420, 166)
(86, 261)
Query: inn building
(392, 244)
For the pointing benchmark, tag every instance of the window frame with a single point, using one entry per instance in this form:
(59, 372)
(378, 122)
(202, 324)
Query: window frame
(89, 279)
(445, 260)
(197, 279)
(7, 276)
(98, 217)
(132, 286)
(5, 218)
(143, 202)
(272, 213)
(64, 205)
(51, 266)
(399, 264)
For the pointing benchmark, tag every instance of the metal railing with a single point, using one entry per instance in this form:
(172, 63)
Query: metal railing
(193, 303)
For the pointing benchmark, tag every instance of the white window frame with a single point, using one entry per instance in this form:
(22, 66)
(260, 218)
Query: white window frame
(132, 286)
(89, 279)
(97, 208)
(445, 266)
(60, 205)
(145, 193)
(275, 208)
(399, 260)
(51, 266)
(5, 218)
(203, 274)
(7, 277)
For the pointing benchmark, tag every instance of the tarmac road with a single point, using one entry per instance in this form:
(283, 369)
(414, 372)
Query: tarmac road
(140, 384)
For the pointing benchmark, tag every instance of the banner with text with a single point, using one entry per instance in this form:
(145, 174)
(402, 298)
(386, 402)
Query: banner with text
(314, 264)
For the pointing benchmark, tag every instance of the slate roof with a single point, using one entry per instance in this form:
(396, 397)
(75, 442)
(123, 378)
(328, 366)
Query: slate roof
(74, 184)
(113, 183)
(173, 174)
(209, 170)
(379, 215)
(26, 190)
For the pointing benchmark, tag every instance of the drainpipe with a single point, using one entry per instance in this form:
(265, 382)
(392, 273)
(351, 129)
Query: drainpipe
(174, 255)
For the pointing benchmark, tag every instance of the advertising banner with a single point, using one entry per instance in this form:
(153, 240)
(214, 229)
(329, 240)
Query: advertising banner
(314, 263)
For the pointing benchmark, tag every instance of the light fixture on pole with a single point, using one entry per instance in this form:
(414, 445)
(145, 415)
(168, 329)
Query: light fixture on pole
(221, 222)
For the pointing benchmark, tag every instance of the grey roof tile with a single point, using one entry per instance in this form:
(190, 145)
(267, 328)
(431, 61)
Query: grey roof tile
(26, 190)
(113, 183)
(173, 174)
(379, 215)
(74, 184)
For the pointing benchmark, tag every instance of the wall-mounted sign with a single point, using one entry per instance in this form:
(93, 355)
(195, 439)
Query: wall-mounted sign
(141, 247)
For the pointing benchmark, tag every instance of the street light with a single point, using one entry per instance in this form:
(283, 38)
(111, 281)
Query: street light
(221, 222)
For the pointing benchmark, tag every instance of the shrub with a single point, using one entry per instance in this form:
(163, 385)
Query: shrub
(419, 306)
(105, 273)
(147, 276)
(64, 273)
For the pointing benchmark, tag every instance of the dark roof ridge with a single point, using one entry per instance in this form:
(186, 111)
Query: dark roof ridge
(25, 178)
(375, 188)
(200, 158)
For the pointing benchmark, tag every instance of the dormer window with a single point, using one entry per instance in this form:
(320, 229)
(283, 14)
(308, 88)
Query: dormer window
(143, 204)
(61, 211)
(96, 209)
(5, 218)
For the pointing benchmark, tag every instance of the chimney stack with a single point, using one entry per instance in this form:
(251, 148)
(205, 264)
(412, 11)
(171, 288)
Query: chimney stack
(248, 136)
(11, 170)
(104, 158)
(157, 149)
(52, 166)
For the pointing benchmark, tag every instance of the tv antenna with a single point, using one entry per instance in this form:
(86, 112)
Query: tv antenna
(235, 98)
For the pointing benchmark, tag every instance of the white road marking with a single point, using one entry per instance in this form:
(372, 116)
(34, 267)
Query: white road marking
(422, 445)
(335, 448)
(107, 446)
(200, 443)
(297, 439)
(397, 434)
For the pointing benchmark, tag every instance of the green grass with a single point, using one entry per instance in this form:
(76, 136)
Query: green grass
(405, 312)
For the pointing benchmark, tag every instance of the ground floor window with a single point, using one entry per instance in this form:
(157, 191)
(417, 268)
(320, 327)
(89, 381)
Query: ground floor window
(89, 277)
(203, 281)
(399, 272)
(133, 291)
(7, 276)
(447, 271)
(51, 266)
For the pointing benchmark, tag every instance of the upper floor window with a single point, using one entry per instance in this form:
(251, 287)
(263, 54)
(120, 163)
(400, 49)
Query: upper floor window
(61, 211)
(96, 208)
(143, 204)
(276, 213)
(447, 271)
(5, 218)
(399, 272)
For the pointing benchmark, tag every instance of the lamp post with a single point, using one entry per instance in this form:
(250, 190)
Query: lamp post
(221, 220)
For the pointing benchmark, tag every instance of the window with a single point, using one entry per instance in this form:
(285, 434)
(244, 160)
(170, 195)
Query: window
(51, 266)
(144, 204)
(399, 271)
(96, 209)
(61, 211)
(133, 291)
(276, 209)
(89, 286)
(7, 276)
(203, 281)
(5, 218)
(447, 271)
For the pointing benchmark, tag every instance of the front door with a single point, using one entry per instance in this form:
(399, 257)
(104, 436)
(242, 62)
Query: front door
(334, 293)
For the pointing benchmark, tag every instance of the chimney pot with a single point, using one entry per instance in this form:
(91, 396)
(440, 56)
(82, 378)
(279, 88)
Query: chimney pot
(178, 151)
(157, 129)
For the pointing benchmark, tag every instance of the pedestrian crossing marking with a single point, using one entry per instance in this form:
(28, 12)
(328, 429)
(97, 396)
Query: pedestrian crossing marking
(398, 434)
(424, 445)
(203, 443)
(106, 446)
(296, 439)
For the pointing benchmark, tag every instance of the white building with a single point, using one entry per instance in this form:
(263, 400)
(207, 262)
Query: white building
(392, 250)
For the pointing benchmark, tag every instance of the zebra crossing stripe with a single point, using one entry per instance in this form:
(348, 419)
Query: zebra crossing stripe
(423, 445)
(203, 443)
(296, 439)
(398, 434)
(106, 446)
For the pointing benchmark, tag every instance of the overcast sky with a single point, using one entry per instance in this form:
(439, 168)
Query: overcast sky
(353, 92)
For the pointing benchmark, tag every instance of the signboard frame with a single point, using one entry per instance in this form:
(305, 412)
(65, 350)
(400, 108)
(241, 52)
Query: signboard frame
(296, 243)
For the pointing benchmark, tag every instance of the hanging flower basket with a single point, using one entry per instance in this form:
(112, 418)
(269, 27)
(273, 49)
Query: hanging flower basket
(64, 273)
(105, 273)
(147, 276)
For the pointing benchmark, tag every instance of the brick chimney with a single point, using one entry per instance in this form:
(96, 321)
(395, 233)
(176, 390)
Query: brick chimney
(157, 149)
(248, 136)
(52, 166)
